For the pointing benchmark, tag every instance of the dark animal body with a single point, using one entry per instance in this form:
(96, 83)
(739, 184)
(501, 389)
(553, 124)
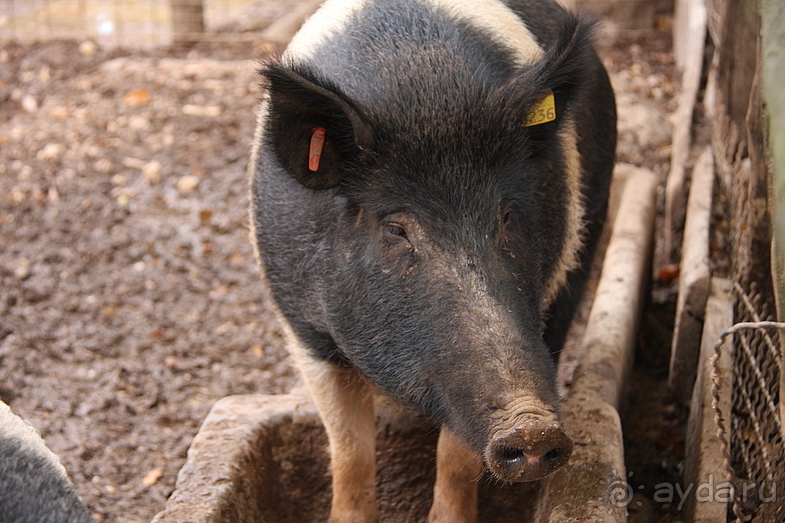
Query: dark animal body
(34, 487)
(421, 234)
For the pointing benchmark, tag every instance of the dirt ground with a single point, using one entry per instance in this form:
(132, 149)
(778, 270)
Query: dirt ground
(129, 296)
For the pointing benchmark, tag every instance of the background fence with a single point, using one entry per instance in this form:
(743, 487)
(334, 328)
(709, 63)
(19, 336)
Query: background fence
(756, 432)
(744, 171)
(137, 23)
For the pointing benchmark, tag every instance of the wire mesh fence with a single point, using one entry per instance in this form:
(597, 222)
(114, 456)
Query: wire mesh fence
(137, 23)
(753, 447)
(756, 452)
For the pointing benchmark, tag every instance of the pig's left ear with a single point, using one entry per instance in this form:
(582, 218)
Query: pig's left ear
(570, 65)
(313, 130)
(567, 69)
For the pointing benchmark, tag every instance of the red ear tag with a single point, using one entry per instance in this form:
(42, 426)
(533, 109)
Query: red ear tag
(315, 152)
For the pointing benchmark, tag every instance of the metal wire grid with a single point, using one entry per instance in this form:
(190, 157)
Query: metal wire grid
(753, 447)
(753, 443)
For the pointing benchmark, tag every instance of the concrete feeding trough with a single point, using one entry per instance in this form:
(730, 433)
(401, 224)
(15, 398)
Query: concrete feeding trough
(263, 459)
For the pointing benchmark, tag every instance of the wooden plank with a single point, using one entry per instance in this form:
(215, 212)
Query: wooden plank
(187, 20)
(693, 281)
(682, 132)
(592, 487)
(772, 65)
(689, 18)
(704, 476)
(613, 321)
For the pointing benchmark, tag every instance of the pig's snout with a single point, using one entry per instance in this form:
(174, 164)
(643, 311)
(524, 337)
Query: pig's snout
(529, 451)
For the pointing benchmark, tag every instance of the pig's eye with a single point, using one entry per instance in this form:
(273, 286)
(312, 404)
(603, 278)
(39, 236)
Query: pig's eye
(506, 225)
(395, 231)
(506, 218)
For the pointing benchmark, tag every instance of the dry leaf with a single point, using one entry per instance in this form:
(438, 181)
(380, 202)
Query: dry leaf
(137, 98)
(152, 477)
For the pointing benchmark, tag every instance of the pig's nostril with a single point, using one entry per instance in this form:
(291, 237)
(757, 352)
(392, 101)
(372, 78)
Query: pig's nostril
(511, 456)
(553, 456)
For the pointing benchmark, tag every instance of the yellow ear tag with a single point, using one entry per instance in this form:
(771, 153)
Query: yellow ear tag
(543, 112)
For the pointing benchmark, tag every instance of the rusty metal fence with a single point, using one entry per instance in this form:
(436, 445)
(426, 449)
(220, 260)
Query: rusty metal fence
(752, 432)
(137, 23)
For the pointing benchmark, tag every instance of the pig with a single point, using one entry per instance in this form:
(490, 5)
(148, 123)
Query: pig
(429, 179)
(34, 486)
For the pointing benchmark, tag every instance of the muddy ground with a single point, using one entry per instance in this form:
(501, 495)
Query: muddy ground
(129, 296)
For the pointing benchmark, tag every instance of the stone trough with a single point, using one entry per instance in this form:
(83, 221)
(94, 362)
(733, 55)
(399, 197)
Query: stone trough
(263, 459)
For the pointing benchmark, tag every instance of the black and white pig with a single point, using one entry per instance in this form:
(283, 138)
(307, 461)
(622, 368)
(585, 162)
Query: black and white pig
(429, 180)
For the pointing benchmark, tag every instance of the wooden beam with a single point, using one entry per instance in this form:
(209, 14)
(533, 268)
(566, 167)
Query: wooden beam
(705, 477)
(693, 280)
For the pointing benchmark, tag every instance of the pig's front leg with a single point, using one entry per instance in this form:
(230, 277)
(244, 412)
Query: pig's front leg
(458, 471)
(345, 401)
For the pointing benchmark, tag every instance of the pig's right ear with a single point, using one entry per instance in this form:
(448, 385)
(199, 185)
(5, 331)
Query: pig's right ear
(301, 107)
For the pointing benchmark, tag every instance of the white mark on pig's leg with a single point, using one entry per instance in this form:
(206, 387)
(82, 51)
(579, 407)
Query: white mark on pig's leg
(458, 470)
(345, 401)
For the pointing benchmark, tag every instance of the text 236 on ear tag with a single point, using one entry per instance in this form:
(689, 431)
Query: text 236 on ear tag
(543, 112)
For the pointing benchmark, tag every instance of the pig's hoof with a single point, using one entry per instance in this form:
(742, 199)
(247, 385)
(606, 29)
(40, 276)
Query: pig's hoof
(528, 452)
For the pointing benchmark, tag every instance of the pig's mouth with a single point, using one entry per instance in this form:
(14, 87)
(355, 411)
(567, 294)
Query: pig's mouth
(530, 451)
